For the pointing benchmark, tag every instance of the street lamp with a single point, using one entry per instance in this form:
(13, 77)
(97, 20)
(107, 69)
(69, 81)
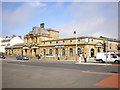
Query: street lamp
(75, 32)
(106, 50)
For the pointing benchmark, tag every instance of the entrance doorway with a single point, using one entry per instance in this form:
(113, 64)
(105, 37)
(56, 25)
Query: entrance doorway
(92, 52)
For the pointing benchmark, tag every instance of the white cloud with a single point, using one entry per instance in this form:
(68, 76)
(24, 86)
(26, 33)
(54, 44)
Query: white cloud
(59, 0)
(37, 4)
(90, 20)
(94, 27)
(19, 17)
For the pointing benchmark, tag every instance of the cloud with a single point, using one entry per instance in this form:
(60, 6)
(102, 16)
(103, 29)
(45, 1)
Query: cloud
(37, 4)
(20, 17)
(59, 0)
(94, 27)
(91, 19)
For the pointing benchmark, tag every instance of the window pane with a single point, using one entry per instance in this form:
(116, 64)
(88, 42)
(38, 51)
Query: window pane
(44, 51)
(71, 52)
(50, 52)
(63, 52)
(79, 51)
(56, 52)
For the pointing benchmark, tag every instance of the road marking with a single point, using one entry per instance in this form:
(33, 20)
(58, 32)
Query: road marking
(93, 64)
(112, 81)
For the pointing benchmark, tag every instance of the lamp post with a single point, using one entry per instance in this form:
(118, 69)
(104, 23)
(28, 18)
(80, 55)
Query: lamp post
(76, 54)
(106, 50)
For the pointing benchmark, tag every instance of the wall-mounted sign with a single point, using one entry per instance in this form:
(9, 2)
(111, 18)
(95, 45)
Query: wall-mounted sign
(99, 44)
(34, 47)
(25, 48)
(11, 48)
(59, 46)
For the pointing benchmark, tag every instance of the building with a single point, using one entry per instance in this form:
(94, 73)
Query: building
(46, 42)
(9, 41)
(4, 42)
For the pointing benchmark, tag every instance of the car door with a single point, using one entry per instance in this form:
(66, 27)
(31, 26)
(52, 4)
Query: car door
(113, 57)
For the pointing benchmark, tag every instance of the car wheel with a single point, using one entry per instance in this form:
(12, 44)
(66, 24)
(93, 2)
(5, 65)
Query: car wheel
(101, 61)
(116, 61)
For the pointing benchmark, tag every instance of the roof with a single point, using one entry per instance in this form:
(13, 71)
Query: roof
(5, 40)
(110, 39)
(37, 30)
(52, 30)
(75, 38)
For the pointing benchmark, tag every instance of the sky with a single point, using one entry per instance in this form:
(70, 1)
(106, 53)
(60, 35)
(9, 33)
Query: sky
(87, 18)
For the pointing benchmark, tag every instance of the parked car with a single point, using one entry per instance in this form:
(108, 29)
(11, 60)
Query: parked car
(22, 58)
(2, 56)
(12, 55)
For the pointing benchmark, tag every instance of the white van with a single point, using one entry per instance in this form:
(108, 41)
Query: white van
(107, 57)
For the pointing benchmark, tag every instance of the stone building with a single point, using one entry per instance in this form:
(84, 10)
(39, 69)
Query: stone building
(15, 49)
(46, 42)
(9, 41)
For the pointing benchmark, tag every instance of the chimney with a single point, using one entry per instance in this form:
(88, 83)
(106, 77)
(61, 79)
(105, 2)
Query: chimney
(20, 37)
(13, 36)
(6, 37)
(42, 25)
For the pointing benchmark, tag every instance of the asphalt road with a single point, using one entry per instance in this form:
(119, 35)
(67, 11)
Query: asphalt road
(53, 74)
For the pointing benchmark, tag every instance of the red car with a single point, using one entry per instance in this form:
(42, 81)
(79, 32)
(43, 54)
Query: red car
(2, 56)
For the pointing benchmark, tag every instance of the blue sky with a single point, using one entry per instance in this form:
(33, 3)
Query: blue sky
(88, 18)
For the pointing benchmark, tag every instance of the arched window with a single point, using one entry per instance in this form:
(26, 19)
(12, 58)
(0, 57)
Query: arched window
(35, 50)
(50, 51)
(44, 52)
(92, 52)
(56, 52)
(71, 52)
(63, 52)
(98, 49)
(79, 51)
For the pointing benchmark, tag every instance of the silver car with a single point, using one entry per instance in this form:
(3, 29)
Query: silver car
(22, 58)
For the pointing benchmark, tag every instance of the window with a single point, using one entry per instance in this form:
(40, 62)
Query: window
(92, 52)
(36, 39)
(56, 41)
(70, 40)
(63, 52)
(78, 40)
(50, 52)
(113, 56)
(44, 52)
(98, 49)
(110, 46)
(79, 51)
(35, 50)
(56, 52)
(63, 41)
(25, 50)
(50, 42)
(71, 52)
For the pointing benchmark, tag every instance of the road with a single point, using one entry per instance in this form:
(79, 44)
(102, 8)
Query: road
(56, 74)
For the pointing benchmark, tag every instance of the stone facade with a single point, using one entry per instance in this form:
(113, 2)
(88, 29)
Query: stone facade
(46, 42)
